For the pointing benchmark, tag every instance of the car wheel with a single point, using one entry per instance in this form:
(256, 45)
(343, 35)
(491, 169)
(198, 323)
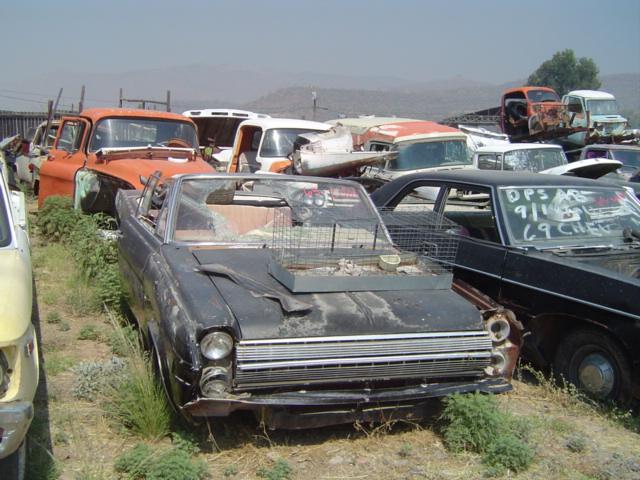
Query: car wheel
(14, 466)
(596, 364)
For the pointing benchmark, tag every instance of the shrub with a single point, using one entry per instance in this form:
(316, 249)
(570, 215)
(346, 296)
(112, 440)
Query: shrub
(93, 378)
(576, 443)
(57, 218)
(145, 463)
(88, 332)
(53, 317)
(281, 470)
(507, 452)
(474, 423)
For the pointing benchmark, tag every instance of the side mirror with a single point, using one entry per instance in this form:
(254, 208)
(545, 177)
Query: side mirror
(19, 205)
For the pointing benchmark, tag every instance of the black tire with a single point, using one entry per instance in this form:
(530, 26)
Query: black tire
(596, 364)
(14, 466)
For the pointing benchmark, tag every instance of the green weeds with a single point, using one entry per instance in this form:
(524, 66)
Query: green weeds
(474, 423)
(143, 462)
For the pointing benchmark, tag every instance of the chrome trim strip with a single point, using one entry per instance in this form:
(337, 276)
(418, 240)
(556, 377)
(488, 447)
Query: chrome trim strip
(381, 361)
(359, 338)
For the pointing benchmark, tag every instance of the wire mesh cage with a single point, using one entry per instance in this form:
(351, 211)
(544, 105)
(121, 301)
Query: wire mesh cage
(316, 250)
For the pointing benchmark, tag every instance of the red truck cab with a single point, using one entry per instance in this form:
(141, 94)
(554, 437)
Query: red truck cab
(102, 150)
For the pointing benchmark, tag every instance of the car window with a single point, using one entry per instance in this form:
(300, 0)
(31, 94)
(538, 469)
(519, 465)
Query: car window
(418, 199)
(472, 209)
(574, 105)
(70, 135)
(489, 161)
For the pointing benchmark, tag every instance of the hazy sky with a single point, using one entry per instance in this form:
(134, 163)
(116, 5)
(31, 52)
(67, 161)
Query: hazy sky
(490, 40)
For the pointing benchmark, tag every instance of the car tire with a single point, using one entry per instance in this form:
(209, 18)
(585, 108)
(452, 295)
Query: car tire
(14, 466)
(596, 364)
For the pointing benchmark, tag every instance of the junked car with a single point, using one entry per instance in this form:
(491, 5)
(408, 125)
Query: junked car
(19, 365)
(217, 129)
(284, 295)
(28, 164)
(628, 155)
(420, 145)
(102, 150)
(562, 252)
(598, 115)
(540, 158)
(266, 144)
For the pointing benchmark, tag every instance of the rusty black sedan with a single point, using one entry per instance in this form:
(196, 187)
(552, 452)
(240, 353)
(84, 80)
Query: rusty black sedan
(563, 253)
(285, 296)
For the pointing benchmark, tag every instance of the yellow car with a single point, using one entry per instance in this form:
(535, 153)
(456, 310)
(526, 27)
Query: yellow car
(18, 344)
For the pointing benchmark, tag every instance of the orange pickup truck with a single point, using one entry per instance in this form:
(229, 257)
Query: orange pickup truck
(102, 150)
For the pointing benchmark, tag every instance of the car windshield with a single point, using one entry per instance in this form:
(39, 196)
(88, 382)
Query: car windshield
(253, 211)
(5, 226)
(538, 96)
(557, 216)
(534, 160)
(630, 158)
(602, 107)
(139, 132)
(418, 155)
(278, 142)
(217, 131)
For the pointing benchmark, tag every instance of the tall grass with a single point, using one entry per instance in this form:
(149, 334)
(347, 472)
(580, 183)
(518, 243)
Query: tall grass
(137, 399)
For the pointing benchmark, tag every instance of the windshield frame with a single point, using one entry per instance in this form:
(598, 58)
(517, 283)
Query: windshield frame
(593, 102)
(399, 147)
(91, 148)
(546, 96)
(563, 239)
(267, 133)
(6, 216)
(176, 198)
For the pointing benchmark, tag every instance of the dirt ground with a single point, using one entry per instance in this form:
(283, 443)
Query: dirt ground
(74, 439)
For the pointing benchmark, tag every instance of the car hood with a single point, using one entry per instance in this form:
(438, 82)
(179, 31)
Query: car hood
(589, 168)
(263, 308)
(131, 169)
(15, 295)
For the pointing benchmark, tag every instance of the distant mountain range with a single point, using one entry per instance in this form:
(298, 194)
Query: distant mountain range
(282, 93)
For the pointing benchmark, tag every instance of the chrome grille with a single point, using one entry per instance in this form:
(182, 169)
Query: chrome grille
(306, 361)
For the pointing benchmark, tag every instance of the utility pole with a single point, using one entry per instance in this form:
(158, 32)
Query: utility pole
(314, 97)
(81, 103)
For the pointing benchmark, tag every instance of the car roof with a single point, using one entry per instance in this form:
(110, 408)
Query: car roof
(267, 123)
(594, 94)
(527, 89)
(403, 129)
(223, 112)
(508, 147)
(495, 178)
(95, 114)
(612, 146)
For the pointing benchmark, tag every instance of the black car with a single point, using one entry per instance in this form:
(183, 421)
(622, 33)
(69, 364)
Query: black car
(285, 296)
(563, 253)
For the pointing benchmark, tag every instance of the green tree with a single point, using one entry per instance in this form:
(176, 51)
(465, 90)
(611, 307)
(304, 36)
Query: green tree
(564, 72)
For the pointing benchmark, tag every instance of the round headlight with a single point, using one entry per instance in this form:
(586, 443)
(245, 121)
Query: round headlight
(216, 345)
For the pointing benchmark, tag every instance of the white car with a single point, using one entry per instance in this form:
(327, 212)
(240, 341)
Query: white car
(538, 158)
(19, 367)
(266, 144)
(217, 129)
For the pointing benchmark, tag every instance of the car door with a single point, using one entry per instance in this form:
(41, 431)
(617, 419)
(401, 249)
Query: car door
(481, 253)
(141, 236)
(65, 158)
